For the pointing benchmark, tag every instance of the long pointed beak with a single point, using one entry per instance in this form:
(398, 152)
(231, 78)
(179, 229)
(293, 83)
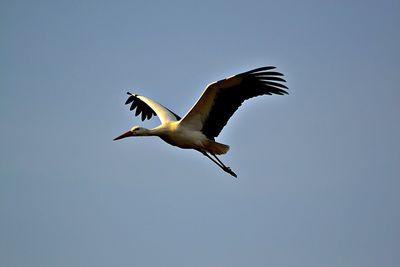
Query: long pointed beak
(127, 134)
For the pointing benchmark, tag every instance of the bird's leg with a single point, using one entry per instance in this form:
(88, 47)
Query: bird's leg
(224, 167)
(213, 160)
(220, 164)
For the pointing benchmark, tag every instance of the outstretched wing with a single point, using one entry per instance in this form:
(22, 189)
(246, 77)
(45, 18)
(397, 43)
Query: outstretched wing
(148, 108)
(222, 98)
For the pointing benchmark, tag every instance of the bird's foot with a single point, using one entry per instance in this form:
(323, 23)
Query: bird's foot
(229, 170)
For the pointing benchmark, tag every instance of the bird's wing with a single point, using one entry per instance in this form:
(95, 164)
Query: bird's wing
(222, 98)
(148, 108)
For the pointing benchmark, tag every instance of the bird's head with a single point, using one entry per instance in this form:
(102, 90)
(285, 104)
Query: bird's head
(134, 131)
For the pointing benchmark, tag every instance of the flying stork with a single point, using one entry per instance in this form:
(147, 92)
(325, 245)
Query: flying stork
(205, 120)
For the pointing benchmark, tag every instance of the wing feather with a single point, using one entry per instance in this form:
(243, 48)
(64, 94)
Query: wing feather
(221, 99)
(147, 108)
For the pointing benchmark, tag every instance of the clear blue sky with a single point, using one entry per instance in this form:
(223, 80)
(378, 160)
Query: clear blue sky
(318, 169)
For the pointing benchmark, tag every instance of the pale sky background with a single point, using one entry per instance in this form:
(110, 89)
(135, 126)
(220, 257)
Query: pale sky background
(318, 169)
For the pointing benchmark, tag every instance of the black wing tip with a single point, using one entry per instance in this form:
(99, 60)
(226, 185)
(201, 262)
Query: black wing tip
(131, 98)
(268, 78)
(269, 83)
(262, 69)
(283, 92)
(129, 93)
(142, 109)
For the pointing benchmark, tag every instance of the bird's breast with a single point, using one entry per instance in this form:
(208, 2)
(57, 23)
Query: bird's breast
(184, 138)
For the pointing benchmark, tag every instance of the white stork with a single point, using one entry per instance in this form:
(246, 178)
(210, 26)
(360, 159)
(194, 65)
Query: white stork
(205, 120)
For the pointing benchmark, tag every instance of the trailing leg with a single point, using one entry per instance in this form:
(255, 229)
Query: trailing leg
(219, 163)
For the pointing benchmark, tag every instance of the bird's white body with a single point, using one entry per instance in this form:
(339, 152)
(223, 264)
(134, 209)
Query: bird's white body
(205, 120)
(178, 135)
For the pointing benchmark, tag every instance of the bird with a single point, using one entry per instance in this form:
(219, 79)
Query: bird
(208, 116)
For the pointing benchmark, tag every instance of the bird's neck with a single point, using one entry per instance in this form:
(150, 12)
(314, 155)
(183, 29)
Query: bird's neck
(152, 132)
(160, 130)
(146, 132)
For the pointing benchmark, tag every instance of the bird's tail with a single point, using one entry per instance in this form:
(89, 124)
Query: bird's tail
(216, 148)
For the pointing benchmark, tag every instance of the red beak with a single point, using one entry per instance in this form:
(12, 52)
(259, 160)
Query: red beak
(127, 134)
